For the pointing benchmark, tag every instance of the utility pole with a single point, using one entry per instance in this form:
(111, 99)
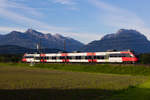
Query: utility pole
(64, 45)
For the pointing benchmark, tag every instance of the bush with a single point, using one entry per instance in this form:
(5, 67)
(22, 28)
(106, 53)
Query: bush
(144, 58)
(10, 58)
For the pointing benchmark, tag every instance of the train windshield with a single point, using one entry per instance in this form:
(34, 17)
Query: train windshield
(120, 55)
(28, 56)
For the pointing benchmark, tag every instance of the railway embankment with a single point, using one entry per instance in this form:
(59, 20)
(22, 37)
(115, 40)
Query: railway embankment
(129, 69)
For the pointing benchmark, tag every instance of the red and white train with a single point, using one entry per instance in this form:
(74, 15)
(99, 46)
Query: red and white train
(83, 57)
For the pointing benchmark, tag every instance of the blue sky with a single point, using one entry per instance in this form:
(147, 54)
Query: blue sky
(84, 20)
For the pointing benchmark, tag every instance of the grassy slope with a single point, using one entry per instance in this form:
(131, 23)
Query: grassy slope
(96, 68)
(33, 84)
(19, 78)
(85, 86)
(93, 68)
(103, 68)
(140, 92)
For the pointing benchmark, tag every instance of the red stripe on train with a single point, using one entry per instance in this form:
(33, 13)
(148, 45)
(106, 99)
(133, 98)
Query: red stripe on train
(91, 54)
(64, 54)
(94, 60)
(89, 60)
(129, 59)
(42, 60)
(65, 60)
(24, 60)
(42, 55)
(125, 52)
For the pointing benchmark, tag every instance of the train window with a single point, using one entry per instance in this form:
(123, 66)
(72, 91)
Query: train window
(113, 55)
(44, 57)
(69, 57)
(78, 57)
(126, 55)
(73, 57)
(62, 57)
(83, 57)
(29, 56)
(53, 57)
(94, 57)
(102, 57)
(49, 57)
(37, 58)
(88, 57)
(120, 55)
(99, 57)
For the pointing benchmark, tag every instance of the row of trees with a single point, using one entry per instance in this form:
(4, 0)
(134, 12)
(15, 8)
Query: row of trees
(143, 58)
(10, 58)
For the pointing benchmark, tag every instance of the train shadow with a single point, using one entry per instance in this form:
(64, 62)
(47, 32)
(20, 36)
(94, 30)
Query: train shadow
(75, 94)
(55, 94)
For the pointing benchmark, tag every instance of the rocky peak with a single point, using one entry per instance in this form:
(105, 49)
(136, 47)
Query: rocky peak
(14, 32)
(58, 36)
(124, 33)
(34, 32)
(128, 31)
(30, 30)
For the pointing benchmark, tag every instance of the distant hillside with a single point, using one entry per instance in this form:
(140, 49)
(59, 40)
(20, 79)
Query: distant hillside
(12, 49)
(30, 38)
(122, 40)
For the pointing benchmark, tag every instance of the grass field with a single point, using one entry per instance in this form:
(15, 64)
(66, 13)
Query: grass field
(92, 68)
(73, 82)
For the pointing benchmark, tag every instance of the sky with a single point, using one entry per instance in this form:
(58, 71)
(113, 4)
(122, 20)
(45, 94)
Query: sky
(83, 20)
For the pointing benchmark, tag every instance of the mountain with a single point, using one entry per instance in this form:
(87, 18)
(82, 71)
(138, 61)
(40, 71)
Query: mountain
(30, 38)
(13, 49)
(124, 39)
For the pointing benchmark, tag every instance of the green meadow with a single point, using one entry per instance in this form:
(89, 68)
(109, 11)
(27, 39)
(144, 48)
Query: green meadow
(20, 81)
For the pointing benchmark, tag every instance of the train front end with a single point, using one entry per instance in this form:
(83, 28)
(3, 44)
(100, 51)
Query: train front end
(131, 58)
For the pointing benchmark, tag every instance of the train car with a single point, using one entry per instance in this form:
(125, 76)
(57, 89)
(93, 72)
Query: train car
(83, 57)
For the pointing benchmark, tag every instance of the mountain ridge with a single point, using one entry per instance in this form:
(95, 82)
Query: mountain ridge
(121, 40)
(30, 38)
(13, 49)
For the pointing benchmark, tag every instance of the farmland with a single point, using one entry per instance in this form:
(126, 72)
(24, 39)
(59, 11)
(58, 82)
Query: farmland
(73, 82)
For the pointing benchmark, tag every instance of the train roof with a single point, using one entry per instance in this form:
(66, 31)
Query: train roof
(81, 52)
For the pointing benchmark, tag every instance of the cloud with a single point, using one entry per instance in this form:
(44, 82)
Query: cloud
(29, 22)
(65, 2)
(71, 4)
(120, 18)
(24, 21)
(5, 30)
(23, 8)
